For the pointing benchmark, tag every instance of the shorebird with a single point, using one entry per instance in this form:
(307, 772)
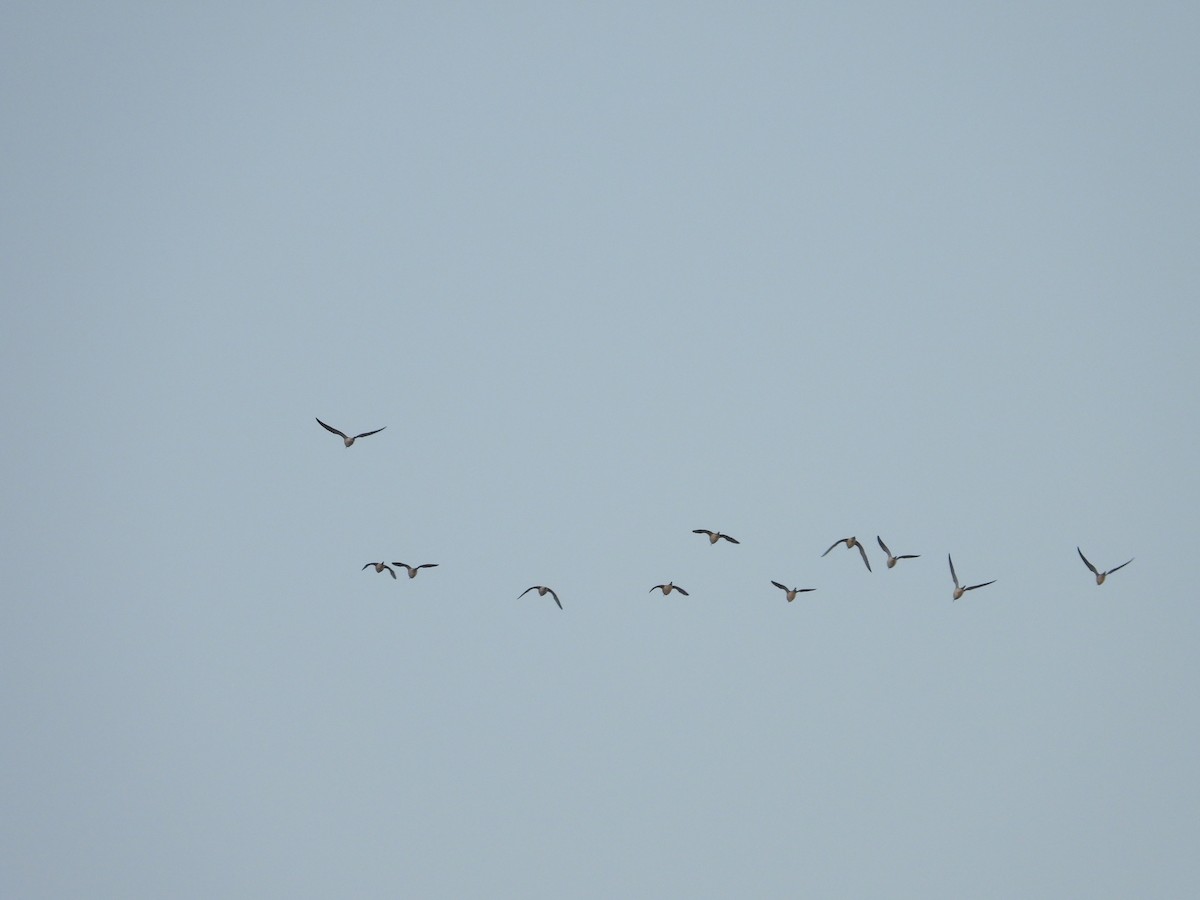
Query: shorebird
(959, 590)
(791, 592)
(412, 570)
(851, 543)
(714, 536)
(379, 567)
(892, 559)
(1100, 576)
(348, 440)
(667, 588)
(542, 592)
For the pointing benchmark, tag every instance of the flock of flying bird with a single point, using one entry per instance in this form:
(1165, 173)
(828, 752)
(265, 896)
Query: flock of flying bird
(851, 543)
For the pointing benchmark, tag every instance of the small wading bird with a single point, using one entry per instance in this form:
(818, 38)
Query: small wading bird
(348, 440)
(959, 590)
(667, 588)
(412, 570)
(892, 559)
(1100, 576)
(379, 567)
(714, 536)
(851, 543)
(542, 592)
(791, 592)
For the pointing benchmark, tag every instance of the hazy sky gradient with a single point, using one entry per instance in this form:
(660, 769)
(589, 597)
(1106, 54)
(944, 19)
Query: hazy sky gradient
(607, 273)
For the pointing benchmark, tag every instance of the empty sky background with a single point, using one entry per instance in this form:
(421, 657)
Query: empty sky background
(607, 273)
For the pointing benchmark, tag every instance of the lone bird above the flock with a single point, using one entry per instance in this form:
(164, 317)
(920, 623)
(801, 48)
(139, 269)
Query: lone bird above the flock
(667, 588)
(412, 570)
(714, 536)
(379, 567)
(891, 560)
(791, 592)
(851, 543)
(348, 441)
(1100, 576)
(542, 592)
(959, 590)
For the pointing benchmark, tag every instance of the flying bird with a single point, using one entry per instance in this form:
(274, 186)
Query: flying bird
(851, 543)
(791, 592)
(348, 440)
(959, 590)
(412, 570)
(667, 588)
(542, 592)
(379, 567)
(1100, 576)
(714, 536)
(891, 560)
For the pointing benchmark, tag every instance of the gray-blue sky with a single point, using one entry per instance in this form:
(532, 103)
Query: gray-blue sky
(607, 275)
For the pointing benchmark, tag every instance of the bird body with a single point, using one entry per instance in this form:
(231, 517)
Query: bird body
(851, 543)
(412, 570)
(891, 560)
(379, 567)
(667, 588)
(959, 590)
(542, 592)
(714, 536)
(348, 441)
(1100, 576)
(791, 592)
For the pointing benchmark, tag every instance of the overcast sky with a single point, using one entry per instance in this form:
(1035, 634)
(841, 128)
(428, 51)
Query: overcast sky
(607, 273)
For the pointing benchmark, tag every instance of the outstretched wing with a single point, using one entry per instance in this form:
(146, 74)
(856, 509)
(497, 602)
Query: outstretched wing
(427, 566)
(681, 590)
(555, 596)
(1121, 566)
(952, 572)
(340, 434)
(526, 591)
(731, 540)
(393, 571)
(985, 584)
(863, 551)
(367, 566)
(782, 587)
(909, 556)
(701, 531)
(366, 433)
(1086, 562)
(834, 544)
(883, 546)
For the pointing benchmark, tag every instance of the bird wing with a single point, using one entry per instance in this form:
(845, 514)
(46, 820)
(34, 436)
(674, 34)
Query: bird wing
(340, 434)
(1085, 561)
(863, 551)
(952, 572)
(910, 556)
(526, 591)
(368, 433)
(555, 596)
(427, 566)
(834, 544)
(681, 590)
(701, 531)
(659, 587)
(782, 587)
(1121, 566)
(368, 565)
(731, 540)
(393, 571)
(883, 546)
(985, 584)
